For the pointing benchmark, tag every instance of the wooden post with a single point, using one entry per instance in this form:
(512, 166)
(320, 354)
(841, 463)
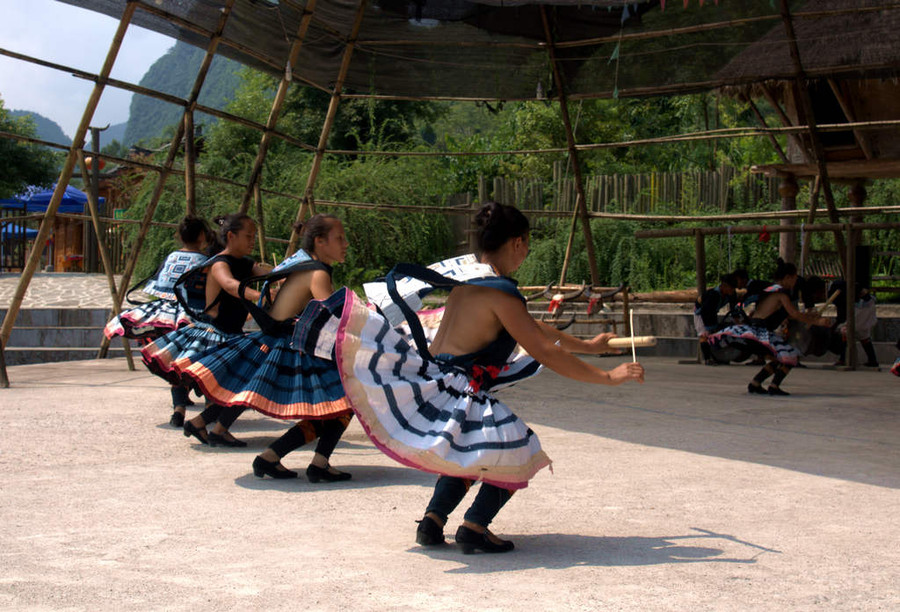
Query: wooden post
(190, 158)
(277, 103)
(810, 219)
(308, 199)
(850, 276)
(580, 200)
(62, 182)
(4, 378)
(104, 255)
(166, 168)
(700, 253)
(787, 242)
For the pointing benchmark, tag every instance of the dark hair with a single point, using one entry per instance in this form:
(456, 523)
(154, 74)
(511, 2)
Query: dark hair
(812, 289)
(741, 273)
(498, 223)
(192, 228)
(728, 279)
(316, 226)
(231, 223)
(783, 269)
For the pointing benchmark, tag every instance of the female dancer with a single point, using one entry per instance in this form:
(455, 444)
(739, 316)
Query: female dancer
(759, 336)
(431, 407)
(222, 319)
(261, 371)
(150, 320)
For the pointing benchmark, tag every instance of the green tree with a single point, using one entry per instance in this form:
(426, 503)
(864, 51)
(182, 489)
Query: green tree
(23, 164)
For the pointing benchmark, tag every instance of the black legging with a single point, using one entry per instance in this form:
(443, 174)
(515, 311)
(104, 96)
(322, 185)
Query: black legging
(449, 491)
(225, 415)
(328, 431)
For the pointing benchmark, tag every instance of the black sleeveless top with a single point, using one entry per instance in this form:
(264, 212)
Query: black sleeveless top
(232, 314)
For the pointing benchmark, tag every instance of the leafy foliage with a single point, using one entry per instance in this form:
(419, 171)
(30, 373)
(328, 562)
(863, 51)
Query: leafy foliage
(23, 164)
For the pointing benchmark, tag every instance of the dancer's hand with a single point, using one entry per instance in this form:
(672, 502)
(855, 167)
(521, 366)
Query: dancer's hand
(625, 372)
(600, 344)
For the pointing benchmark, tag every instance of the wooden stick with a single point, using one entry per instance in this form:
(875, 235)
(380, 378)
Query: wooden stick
(642, 341)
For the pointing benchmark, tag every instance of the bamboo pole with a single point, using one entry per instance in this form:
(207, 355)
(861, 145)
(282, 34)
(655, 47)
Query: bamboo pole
(806, 104)
(308, 199)
(169, 161)
(277, 103)
(851, 116)
(580, 201)
(63, 181)
(756, 229)
(762, 122)
(190, 158)
(93, 206)
(260, 223)
(700, 254)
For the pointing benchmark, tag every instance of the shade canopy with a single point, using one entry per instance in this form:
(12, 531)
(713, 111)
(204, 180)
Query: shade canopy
(12, 231)
(36, 199)
(497, 49)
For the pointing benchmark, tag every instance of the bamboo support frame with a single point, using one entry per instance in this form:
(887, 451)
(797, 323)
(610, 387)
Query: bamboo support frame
(169, 161)
(190, 158)
(580, 200)
(762, 121)
(277, 103)
(810, 219)
(309, 204)
(65, 174)
(806, 105)
(260, 222)
(104, 254)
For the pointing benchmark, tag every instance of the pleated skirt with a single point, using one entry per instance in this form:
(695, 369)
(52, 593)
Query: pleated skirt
(740, 341)
(427, 414)
(186, 343)
(149, 320)
(261, 371)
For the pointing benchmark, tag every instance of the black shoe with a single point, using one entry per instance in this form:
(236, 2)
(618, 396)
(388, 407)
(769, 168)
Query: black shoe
(429, 533)
(751, 388)
(191, 430)
(773, 390)
(220, 440)
(711, 362)
(871, 364)
(262, 468)
(315, 474)
(470, 541)
(177, 419)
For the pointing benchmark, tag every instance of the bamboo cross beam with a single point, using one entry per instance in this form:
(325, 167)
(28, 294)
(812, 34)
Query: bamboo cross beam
(62, 182)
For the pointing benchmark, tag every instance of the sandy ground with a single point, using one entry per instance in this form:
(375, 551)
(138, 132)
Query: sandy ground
(684, 493)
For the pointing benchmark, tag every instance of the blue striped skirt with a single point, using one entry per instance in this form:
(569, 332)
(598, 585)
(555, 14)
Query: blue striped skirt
(426, 414)
(162, 355)
(262, 372)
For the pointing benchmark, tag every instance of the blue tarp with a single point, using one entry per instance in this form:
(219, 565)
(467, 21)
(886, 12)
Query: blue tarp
(36, 200)
(11, 231)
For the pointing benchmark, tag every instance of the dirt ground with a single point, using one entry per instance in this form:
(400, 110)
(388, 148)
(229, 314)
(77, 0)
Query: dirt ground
(684, 493)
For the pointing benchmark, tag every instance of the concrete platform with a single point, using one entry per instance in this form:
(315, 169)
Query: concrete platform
(684, 493)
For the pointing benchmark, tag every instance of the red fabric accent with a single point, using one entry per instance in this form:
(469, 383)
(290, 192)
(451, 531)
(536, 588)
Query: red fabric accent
(554, 305)
(764, 236)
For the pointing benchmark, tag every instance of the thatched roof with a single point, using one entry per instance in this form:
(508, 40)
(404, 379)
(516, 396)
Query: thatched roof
(496, 49)
(832, 43)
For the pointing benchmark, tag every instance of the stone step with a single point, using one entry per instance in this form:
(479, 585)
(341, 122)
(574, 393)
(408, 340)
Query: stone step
(60, 317)
(43, 354)
(23, 336)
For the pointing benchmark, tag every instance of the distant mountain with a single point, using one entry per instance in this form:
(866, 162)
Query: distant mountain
(47, 129)
(174, 73)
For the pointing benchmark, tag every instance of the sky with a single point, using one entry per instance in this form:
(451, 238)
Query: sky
(78, 38)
